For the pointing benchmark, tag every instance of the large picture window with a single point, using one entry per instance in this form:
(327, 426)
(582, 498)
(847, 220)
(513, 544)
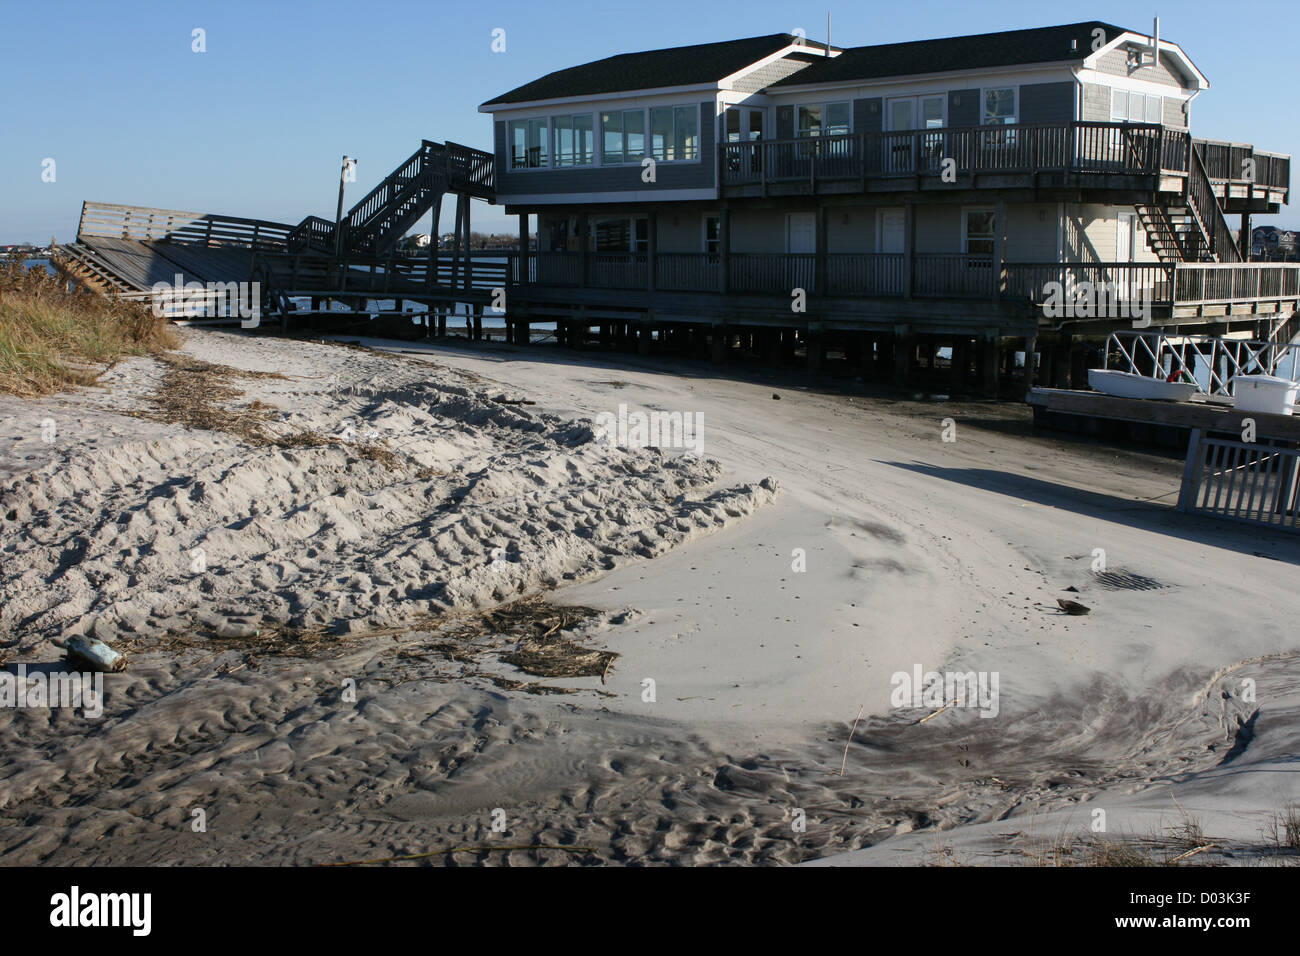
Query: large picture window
(675, 133)
(623, 234)
(824, 119)
(1000, 106)
(622, 136)
(527, 143)
(574, 142)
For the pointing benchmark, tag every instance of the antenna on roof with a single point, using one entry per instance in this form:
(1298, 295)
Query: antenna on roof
(1156, 42)
(827, 51)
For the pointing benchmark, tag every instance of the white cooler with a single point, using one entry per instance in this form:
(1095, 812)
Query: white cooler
(1264, 393)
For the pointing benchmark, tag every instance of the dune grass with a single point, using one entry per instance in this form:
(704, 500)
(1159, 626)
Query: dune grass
(53, 339)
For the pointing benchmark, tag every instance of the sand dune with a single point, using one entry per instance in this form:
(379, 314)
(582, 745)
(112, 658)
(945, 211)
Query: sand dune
(915, 552)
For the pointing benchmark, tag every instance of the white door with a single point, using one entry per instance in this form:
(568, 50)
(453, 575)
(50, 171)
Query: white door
(1124, 278)
(800, 240)
(801, 233)
(900, 114)
(1124, 238)
(891, 235)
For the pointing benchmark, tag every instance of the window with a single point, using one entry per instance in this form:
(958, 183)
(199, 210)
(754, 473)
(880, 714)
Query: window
(527, 143)
(1000, 106)
(980, 225)
(573, 143)
(827, 119)
(675, 133)
(622, 235)
(622, 136)
(712, 235)
(1134, 107)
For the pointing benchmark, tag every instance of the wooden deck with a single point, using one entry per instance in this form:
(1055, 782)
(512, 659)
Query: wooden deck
(1116, 157)
(1206, 415)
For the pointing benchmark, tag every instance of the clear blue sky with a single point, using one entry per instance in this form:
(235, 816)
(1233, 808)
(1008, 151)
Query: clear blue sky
(255, 126)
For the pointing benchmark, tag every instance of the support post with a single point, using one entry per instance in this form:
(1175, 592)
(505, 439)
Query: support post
(999, 246)
(819, 264)
(724, 247)
(1031, 361)
(524, 271)
(652, 248)
(909, 248)
(584, 225)
(904, 347)
(1192, 468)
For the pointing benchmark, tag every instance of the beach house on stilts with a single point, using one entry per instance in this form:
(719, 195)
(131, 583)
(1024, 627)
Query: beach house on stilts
(976, 198)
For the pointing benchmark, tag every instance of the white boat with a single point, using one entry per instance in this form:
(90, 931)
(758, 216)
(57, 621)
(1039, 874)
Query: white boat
(1129, 385)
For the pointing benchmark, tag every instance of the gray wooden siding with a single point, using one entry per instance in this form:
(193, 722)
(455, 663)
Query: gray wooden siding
(1174, 113)
(1116, 64)
(964, 108)
(584, 179)
(1096, 103)
(1046, 102)
(867, 115)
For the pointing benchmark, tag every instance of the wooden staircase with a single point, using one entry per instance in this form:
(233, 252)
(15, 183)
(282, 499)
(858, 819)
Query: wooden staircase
(375, 224)
(82, 264)
(1191, 231)
(1172, 233)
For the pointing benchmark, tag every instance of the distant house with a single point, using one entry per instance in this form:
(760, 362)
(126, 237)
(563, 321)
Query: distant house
(1273, 244)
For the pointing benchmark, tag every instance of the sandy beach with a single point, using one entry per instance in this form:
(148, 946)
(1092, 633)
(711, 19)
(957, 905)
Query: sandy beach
(746, 610)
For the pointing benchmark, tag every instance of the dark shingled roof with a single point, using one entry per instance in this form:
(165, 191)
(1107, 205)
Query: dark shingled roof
(677, 66)
(982, 51)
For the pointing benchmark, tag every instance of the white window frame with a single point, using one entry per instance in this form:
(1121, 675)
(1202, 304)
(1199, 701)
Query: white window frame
(916, 98)
(510, 144)
(704, 233)
(1128, 99)
(699, 132)
(985, 90)
(554, 153)
(645, 134)
(965, 235)
(825, 107)
(631, 219)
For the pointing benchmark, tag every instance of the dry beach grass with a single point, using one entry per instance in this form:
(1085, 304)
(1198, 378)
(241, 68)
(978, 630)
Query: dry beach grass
(53, 338)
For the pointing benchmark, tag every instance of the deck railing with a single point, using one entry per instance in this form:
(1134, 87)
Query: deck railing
(1079, 147)
(957, 276)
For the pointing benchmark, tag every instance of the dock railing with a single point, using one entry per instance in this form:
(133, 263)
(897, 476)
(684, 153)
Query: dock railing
(1255, 482)
(1210, 361)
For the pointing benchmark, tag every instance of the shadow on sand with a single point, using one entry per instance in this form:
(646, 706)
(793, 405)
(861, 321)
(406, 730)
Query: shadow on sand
(1157, 517)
